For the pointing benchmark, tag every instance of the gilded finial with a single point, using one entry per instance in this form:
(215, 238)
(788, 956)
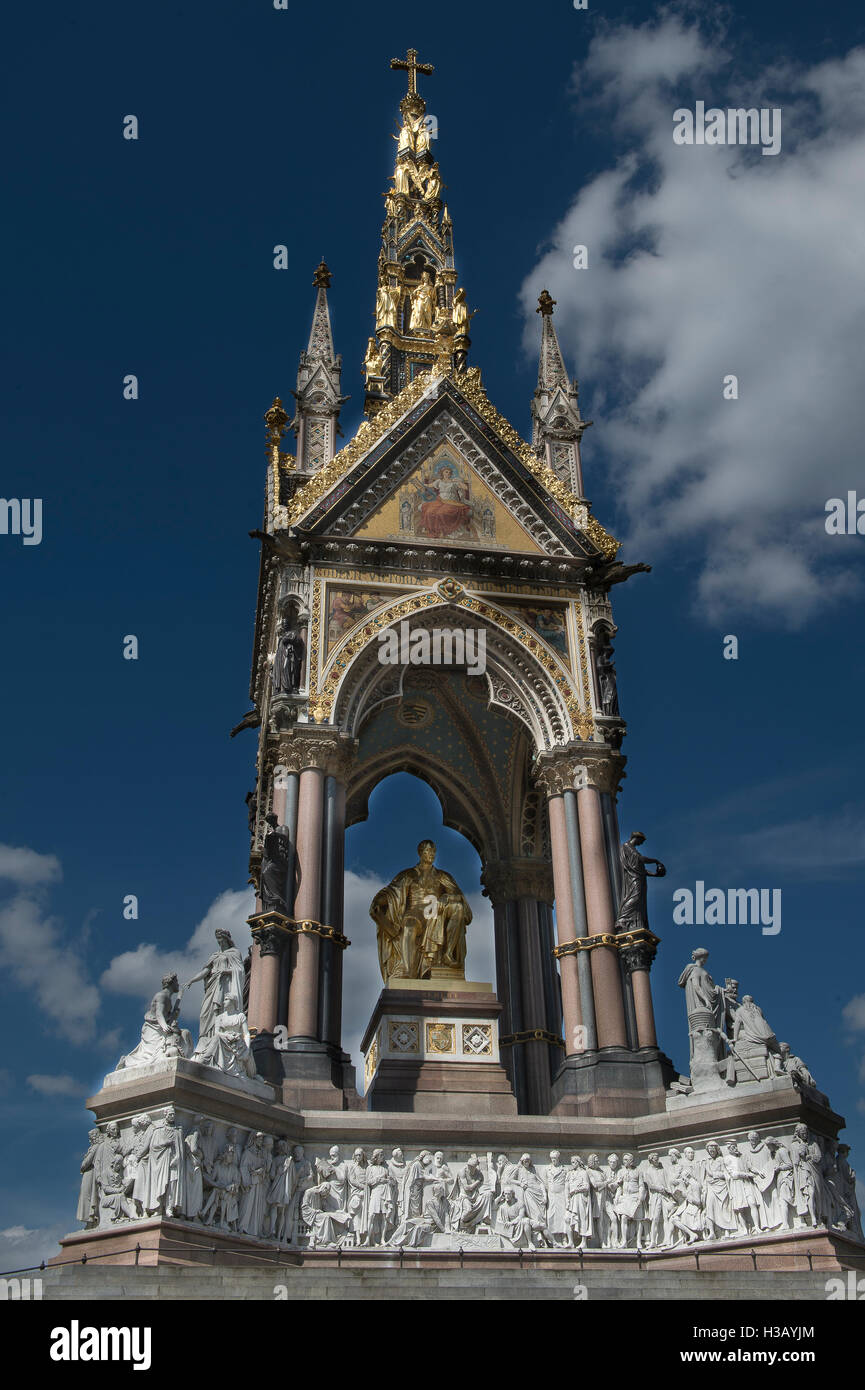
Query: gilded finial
(275, 419)
(322, 277)
(412, 104)
(410, 65)
(545, 303)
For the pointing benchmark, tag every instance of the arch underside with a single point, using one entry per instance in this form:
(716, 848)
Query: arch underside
(442, 727)
(518, 684)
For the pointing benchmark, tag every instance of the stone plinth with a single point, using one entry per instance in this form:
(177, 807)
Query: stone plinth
(170, 1242)
(612, 1081)
(432, 1046)
(177, 1260)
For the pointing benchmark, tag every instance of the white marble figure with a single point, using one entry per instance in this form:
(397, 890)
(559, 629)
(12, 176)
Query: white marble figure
(631, 1203)
(808, 1178)
(88, 1196)
(613, 1177)
(794, 1067)
(598, 1183)
(229, 1046)
(332, 1170)
(280, 1191)
(718, 1215)
(380, 1205)
(163, 1191)
(161, 1038)
(113, 1205)
(327, 1226)
(782, 1197)
(415, 1231)
(195, 1175)
(135, 1151)
(686, 1184)
(558, 1215)
(580, 1201)
(222, 1207)
(223, 978)
(303, 1178)
(260, 1187)
(254, 1184)
(660, 1204)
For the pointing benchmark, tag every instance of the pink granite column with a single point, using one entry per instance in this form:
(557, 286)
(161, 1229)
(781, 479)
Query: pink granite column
(265, 957)
(606, 977)
(278, 800)
(303, 992)
(572, 1011)
(646, 1035)
(254, 1008)
(264, 981)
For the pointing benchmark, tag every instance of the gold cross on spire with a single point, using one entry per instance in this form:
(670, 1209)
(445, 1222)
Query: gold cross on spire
(411, 65)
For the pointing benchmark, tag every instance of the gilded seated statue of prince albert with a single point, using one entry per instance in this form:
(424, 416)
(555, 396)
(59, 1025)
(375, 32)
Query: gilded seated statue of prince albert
(421, 919)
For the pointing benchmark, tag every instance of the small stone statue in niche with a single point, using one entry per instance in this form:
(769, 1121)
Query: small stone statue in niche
(606, 676)
(288, 661)
(276, 856)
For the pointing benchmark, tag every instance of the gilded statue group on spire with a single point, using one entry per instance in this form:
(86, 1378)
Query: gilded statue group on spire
(416, 296)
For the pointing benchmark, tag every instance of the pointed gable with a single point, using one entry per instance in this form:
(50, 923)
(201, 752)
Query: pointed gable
(369, 482)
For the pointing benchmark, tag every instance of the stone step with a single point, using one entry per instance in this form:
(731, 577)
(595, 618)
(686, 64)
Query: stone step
(172, 1283)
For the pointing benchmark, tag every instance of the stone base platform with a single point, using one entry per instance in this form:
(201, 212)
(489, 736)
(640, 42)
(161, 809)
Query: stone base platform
(173, 1242)
(417, 1279)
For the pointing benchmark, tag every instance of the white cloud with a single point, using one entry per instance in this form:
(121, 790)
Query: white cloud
(56, 1085)
(705, 261)
(853, 1013)
(139, 972)
(27, 868)
(34, 950)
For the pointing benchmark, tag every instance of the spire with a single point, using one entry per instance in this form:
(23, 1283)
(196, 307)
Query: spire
(551, 364)
(320, 335)
(316, 420)
(420, 317)
(557, 425)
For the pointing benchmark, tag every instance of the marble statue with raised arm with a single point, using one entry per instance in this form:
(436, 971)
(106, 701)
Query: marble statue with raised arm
(222, 976)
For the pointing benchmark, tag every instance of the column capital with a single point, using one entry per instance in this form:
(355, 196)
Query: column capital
(270, 930)
(566, 769)
(505, 880)
(307, 746)
(637, 949)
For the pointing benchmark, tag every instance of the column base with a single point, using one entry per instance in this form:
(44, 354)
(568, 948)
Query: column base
(613, 1081)
(311, 1075)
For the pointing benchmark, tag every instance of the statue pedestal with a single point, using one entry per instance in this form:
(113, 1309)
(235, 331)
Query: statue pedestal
(432, 1047)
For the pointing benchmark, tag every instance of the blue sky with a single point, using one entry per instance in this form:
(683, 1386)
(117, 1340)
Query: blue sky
(154, 257)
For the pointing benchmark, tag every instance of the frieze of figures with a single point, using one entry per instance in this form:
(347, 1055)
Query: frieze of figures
(254, 1184)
